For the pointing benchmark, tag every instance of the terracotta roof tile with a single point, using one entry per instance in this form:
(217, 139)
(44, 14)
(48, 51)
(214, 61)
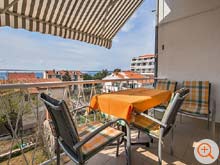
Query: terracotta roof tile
(30, 80)
(50, 72)
(147, 56)
(128, 74)
(16, 76)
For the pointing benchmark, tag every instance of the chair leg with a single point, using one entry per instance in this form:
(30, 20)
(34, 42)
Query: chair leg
(139, 132)
(160, 147)
(129, 152)
(208, 121)
(58, 151)
(128, 144)
(159, 152)
(172, 138)
(213, 123)
(117, 149)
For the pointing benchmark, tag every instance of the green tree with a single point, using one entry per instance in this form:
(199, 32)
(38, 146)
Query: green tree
(100, 75)
(66, 77)
(117, 70)
(87, 77)
(12, 102)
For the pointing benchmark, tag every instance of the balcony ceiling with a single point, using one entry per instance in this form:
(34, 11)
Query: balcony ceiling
(91, 21)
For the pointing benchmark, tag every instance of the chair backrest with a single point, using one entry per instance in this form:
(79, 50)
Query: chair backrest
(199, 92)
(166, 85)
(65, 128)
(170, 114)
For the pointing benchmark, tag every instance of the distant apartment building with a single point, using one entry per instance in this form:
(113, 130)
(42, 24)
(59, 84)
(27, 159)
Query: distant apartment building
(75, 75)
(143, 64)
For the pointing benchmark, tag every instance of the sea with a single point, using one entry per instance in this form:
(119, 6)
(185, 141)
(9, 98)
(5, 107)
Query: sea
(4, 74)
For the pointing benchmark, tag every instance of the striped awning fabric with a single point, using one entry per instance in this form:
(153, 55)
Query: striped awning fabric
(91, 21)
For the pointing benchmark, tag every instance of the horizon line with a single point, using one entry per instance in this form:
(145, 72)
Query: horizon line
(29, 70)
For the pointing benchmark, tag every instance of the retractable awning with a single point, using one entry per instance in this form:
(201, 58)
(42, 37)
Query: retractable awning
(91, 21)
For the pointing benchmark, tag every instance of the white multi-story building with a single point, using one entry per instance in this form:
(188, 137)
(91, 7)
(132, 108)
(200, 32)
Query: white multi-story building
(115, 86)
(143, 64)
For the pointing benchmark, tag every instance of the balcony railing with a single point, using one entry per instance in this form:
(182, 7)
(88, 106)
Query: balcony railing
(142, 61)
(142, 66)
(25, 135)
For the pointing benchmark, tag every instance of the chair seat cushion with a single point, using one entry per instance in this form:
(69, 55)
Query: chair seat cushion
(93, 145)
(146, 125)
(195, 108)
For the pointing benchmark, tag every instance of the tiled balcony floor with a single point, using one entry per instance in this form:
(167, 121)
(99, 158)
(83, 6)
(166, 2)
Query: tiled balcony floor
(185, 134)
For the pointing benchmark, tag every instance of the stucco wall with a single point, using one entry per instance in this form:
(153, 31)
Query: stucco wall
(190, 33)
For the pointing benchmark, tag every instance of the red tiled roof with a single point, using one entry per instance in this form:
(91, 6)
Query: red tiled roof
(77, 72)
(50, 72)
(61, 72)
(147, 56)
(17, 76)
(30, 80)
(128, 74)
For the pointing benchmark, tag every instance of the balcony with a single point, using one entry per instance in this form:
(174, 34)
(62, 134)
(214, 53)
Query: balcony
(31, 141)
(191, 34)
(142, 67)
(142, 61)
(24, 132)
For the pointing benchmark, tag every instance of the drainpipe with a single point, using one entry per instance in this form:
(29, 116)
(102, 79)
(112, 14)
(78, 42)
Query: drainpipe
(156, 41)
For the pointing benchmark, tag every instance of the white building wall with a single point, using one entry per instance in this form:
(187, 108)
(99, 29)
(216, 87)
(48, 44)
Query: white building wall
(144, 66)
(190, 33)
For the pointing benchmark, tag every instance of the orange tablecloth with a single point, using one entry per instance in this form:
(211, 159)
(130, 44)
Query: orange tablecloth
(122, 103)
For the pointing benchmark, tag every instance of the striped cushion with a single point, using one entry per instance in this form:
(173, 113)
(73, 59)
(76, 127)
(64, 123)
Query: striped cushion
(197, 100)
(100, 139)
(166, 85)
(146, 124)
(195, 108)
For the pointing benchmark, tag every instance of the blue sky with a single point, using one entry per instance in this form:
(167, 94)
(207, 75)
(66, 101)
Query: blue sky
(21, 49)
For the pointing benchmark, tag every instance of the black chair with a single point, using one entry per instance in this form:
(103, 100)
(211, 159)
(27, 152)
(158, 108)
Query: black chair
(81, 143)
(159, 129)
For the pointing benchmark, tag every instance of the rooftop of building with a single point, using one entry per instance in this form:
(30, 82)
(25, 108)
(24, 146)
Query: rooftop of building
(124, 75)
(18, 76)
(63, 72)
(144, 56)
(147, 56)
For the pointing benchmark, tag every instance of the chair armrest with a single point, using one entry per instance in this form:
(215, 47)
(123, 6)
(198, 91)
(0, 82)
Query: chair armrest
(80, 108)
(153, 119)
(90, 136)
